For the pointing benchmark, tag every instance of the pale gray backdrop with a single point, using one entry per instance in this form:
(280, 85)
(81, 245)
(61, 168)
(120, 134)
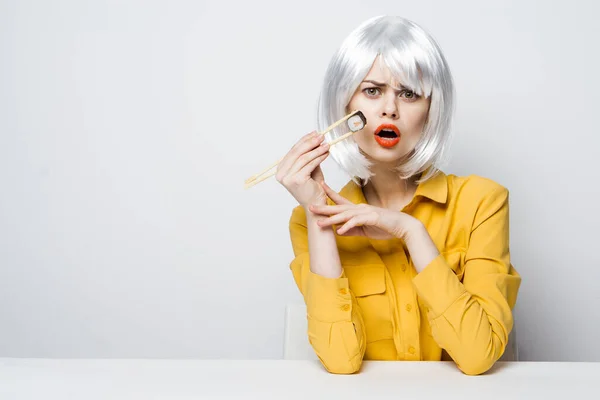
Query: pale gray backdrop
(128, 127)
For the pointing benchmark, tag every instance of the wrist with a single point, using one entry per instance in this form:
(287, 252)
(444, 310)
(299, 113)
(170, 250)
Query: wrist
(413, 231)
(312, 218)
(421, 247)
(321, 202)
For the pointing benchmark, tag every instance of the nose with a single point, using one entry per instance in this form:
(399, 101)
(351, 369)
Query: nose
(389, 108)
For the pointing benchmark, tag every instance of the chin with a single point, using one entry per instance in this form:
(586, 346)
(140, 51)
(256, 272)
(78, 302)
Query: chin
(391, 156)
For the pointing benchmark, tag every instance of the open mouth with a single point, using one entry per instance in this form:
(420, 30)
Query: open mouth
(387, 135)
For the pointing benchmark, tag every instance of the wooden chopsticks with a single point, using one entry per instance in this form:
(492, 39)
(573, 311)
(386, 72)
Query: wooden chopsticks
(257, 178)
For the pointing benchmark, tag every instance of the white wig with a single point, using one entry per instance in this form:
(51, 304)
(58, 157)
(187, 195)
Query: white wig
(415, 60)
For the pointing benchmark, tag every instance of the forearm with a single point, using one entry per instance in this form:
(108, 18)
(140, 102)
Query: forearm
(335, 325)
(470, 320)
(421, 247)
(324, 256)
(472, 328)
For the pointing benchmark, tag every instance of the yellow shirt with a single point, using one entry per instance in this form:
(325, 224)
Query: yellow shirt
(381, 309)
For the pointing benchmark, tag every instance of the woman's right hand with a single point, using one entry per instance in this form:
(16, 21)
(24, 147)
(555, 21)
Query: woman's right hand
(300, 172)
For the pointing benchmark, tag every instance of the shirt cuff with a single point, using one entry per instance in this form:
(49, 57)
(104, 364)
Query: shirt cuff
(328, 299)
(438, 286)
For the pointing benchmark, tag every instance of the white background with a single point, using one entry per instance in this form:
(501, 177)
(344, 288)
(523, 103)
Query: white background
(127, 129)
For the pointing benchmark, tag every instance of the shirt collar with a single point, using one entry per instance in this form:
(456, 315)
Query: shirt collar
(435, 188)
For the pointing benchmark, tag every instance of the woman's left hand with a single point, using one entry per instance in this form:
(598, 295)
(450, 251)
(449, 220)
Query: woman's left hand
(364, 219)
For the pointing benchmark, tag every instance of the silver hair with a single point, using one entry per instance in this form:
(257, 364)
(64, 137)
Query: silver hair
(414, 59)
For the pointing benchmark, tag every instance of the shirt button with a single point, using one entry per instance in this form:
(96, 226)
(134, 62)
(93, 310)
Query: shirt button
(411, 350)
(408, 307)
(403, 267)
(343, 291)
(346, 307)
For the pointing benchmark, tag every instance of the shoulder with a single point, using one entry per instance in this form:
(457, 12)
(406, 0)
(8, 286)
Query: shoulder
(476, 199)
(476, 188)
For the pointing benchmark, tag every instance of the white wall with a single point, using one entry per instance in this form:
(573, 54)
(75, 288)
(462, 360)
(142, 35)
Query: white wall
(128, 127)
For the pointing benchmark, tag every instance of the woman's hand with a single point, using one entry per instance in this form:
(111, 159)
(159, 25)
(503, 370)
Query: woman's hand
(300, 172)
(378, 223)
(364, 219)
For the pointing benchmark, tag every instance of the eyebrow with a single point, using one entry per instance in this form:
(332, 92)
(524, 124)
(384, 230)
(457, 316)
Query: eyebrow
(381, 84)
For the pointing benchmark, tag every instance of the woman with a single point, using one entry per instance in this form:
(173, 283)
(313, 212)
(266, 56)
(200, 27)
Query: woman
(405, 261)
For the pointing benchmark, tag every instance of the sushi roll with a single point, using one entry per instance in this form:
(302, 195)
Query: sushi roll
(357, 122)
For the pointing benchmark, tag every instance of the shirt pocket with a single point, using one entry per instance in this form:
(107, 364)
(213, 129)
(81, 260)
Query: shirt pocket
(368, 284)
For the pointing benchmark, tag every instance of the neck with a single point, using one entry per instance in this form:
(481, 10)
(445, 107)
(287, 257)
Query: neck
(385, 189)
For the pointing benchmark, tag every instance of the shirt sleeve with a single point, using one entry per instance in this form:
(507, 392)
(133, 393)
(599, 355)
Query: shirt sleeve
(472, 319)
(335, 325)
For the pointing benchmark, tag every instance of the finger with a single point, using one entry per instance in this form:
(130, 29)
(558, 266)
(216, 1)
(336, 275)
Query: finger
(352, 223)
(304, 146)
(304, 139)
(332, 211)
(356, 231)
(362, 217)
(336, 197)
(307, 143)
(329, 210)
(306, 164)
(308, 156)
(337, 219)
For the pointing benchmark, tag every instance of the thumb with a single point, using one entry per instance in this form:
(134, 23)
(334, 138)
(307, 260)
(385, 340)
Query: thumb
(333, 195)
(317, 175)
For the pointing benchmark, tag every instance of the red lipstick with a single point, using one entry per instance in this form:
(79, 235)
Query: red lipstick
(387, 135)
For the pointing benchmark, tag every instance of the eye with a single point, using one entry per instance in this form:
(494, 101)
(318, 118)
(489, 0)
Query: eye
(410, 95)
(371, 91)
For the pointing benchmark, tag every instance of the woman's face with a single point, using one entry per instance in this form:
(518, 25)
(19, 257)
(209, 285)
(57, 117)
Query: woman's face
(395, 116)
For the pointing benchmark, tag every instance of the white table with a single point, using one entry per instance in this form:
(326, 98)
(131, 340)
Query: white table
(279, 379)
